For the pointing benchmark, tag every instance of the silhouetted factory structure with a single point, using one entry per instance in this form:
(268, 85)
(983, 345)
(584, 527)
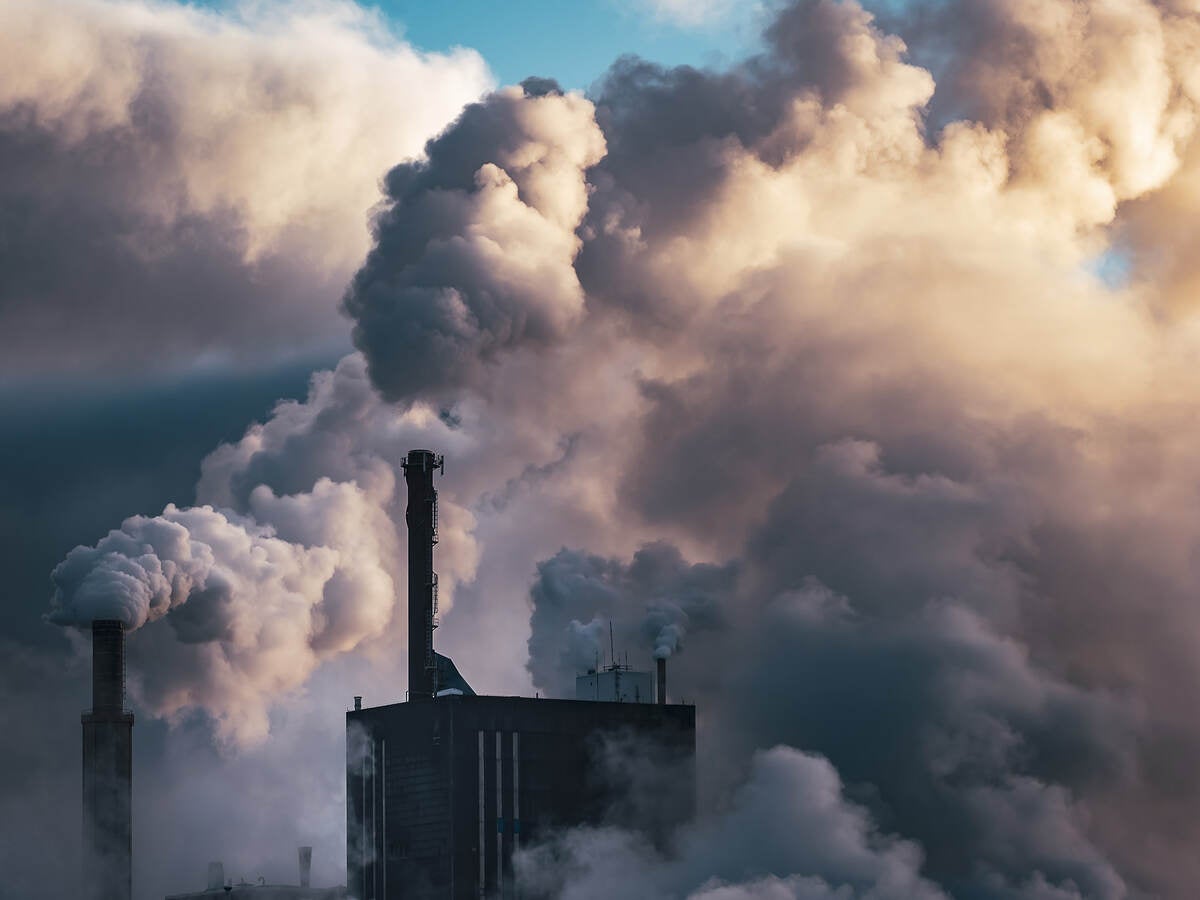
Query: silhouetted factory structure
(442, 790)
(107, 771)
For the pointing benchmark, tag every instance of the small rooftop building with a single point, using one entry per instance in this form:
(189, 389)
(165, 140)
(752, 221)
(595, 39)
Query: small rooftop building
(260, 890)
(614, 684)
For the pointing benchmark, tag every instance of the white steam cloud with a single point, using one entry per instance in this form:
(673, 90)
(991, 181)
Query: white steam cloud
(151, 565)
(252, 605)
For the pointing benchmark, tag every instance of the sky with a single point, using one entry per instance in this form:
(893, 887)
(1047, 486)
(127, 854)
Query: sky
(845, 350)
(576, 43)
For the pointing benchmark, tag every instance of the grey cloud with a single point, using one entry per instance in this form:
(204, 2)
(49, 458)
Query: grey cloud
(473, 256)
(789, 833)
(978, 738)
(966, 719)
(148, 221)
(96, 284)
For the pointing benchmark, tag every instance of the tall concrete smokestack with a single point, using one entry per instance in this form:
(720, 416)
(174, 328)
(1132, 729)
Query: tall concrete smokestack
(662, 680)
(421, 517)
(108, 771)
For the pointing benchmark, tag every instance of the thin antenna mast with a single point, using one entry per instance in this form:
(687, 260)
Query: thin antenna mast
(612, 653)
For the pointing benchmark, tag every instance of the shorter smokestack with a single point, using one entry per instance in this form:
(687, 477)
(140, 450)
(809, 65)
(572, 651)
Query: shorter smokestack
(358, 703)
(305, 866)
(216, 876)
(662, 680)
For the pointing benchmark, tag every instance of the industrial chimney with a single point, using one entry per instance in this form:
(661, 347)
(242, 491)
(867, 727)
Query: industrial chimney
(305, 866)
(421, 517)
(662, 680)
(107, 770)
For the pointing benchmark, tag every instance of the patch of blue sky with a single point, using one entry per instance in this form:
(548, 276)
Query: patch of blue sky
(571, 41)
(1113, 267)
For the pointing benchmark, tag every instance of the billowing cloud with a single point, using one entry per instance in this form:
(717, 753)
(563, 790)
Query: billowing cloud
(183, 187)
(806, 359)
(789, 817)
(474, 255)
(249, 606)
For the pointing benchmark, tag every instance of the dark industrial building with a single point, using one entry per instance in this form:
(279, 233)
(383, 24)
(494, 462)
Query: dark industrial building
(441, 793)
(107, 771)
(442, 790)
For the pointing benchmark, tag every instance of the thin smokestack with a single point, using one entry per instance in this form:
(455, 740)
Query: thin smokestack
(305, 866)
(662, 680)
(421, 517)
(108, 770)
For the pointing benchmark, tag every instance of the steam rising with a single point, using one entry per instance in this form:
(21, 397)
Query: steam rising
(668, 640)
(151, 565)
(651, 603)
(251, 606)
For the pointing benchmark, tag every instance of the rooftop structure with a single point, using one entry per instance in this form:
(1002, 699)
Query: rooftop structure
(441, 791)
(615, 684)
(243, 890)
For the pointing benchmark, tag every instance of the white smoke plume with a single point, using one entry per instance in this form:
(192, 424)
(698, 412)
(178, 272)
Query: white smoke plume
(140, 572)
(251, 605)
(669, 640)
